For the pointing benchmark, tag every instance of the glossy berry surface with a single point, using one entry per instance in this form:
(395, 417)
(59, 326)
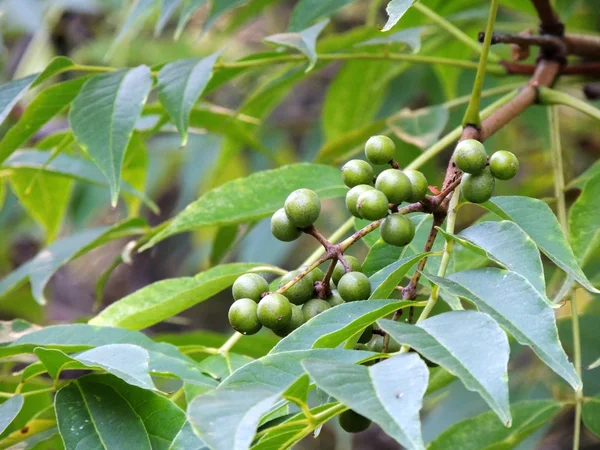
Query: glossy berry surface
(315, 275)
(357, 172)
(352, 422)
(296, 321)
(249, 285)
(419, 185)
(339, 270)
(274, 311)
(335, 299)
(395, 185)
(243, 316)
(303, 207)
(470, 156)
(397, 230)
(372, 205)
(314, 307)
(376, 345)
(301, 291)
(282, 228)
(478, 188)
(366, 336)
(354, 286)
(504, 165)
(352, 197)
(380, 150)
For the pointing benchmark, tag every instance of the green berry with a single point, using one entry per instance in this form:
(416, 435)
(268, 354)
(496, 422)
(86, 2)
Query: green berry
(478, 188)
(282, 228)
(380, 150)
(314, 307)
(274, 311)
(354, 286)
(372, 205)
(352, 422)
(357, 172)
(301, 291)
(243, 316)
(470, 156)
(504, 165)
(315, 275)
(397, 230)
(303, 207)
(352, 197)
(366, 336)
(296, 321)
(376, 345)
(249, 285)
(419, 185)
(335, 299)
(395, 185)
(340, 270)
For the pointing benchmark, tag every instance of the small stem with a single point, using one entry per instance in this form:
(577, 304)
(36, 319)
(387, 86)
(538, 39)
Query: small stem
(453, 30)
(557, 164)
(94, 69)
(549, 96)
(26, 394)
(305, 272)
(577, 358)
(228, 345)
(318, 236)
(337, 234)
(549, 42)
(472, 116)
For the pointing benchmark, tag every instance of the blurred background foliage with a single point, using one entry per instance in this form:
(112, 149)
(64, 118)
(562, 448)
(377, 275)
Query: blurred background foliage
(265, 118)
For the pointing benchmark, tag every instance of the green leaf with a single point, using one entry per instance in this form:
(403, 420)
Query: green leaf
(125, 361)
(586, 176)
(11, 93)
(410, 36)
(254, 197)
(395, 10)
(537, 220)
(342, 146)
(186, 439)
(44, 196)
(384, 281)
(584, 217)
(140, 10)
(135, 167)
(9, 410)
(164, 358)
(422, 127)
(218, 8)
(590, 414)
(389, 393)
(453, 340)
(159, 301)
(506, 244)
(180, 85)
(103, 117)
(516, 306)
(167, 8)
(40, 269)
(484, 430)
(594, 365)
(304, 41)
(14, 329)
(186, 13)
(67, 166)
(100, 411)
(307, 11)
(334, 326)
(45, 106)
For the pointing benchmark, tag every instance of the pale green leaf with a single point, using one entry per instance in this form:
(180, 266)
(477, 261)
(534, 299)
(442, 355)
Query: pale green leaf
(385, 280)
(594, 365)
(167, 9)
(218, 8)
(584, 222)
(14, 329)
(454, 341)
(135, 167)
(11, 93)
(518, 307)
(307, 11)
(9, 410)
(254, 197)
(590, 414)
(585, 177)
(103, 117)
(389, 393)
(186, 13)
(410, 36)
(395, 10)
(186, 439)
(422, 127)
(140, 10)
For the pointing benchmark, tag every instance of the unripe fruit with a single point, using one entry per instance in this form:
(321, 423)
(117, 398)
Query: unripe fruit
(395, 185)
(314, 307)
(372, 205)
(478, 188)
(243, 316)
(301, 291)
(282, 228)
(274, 311)
(376, 345)
(296, 321)
(380, 149)
(357, 172)
(354, 286)
(315, 275)
(353, 422)
(340, 270)
(419, 185)
(303, 207)
(366, 336)
(504, 165)
(352, 197)
(249, 285)
(335, 299)
(470, 156)
(397, 230)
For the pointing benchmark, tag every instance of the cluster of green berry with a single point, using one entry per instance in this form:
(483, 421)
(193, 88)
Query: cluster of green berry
(479, 177)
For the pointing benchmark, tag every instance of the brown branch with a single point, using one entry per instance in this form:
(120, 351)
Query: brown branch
(549, 21)
(589, 69)
(549, 42)
(583, 45)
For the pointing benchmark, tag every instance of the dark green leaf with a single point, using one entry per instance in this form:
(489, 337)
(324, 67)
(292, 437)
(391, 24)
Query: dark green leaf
(422, 127)
(384, 281)
(590, 414)
(584, 220)
(11, 93)
(219, 8)
(307, 11)
(9, 410)
(395, 10)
